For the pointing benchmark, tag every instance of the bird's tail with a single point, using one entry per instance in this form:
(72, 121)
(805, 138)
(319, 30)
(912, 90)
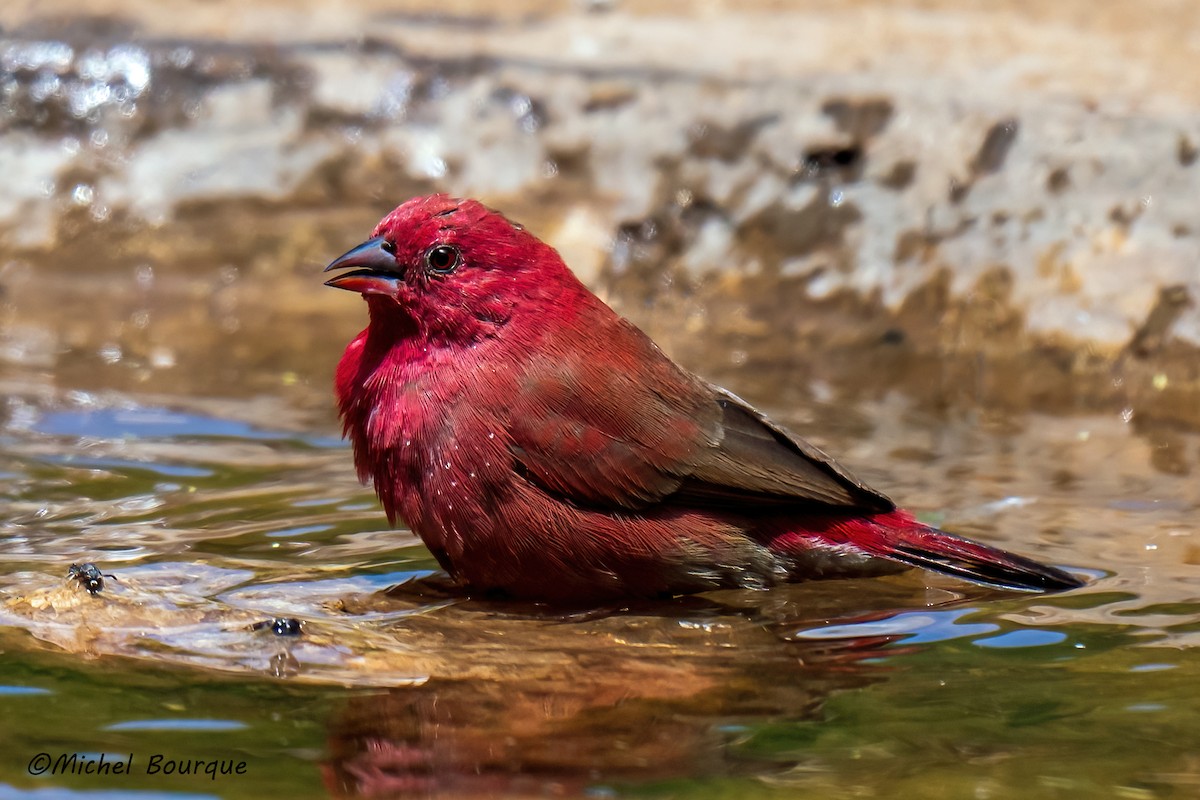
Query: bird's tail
(899, 537)
(919, 545)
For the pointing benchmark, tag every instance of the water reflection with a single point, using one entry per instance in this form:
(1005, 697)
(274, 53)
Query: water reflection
(582, 724)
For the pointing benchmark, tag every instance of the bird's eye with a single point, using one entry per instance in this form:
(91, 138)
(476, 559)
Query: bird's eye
(442, 258)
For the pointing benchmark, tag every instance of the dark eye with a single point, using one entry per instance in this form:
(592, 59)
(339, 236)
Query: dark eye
(442, 258)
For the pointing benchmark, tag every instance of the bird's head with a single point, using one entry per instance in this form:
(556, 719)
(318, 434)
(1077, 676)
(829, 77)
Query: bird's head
(451, 270)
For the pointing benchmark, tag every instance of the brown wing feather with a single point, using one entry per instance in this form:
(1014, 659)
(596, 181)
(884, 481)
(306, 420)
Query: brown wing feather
(610, 432)
(757, 461)
(624, 427)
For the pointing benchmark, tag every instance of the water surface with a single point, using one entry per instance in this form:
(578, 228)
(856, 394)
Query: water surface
(213, 516)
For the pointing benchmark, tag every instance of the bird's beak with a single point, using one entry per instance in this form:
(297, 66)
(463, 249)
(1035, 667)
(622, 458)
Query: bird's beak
(376, 271)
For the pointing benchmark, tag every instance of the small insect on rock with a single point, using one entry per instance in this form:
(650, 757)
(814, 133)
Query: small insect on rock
(89, 577)
(280, 626)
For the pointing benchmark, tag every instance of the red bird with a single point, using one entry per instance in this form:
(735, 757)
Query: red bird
(544, 448)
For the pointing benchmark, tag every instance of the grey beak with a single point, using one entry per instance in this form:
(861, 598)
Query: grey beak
(368, 255)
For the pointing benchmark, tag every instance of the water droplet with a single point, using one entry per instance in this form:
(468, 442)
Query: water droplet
(55, 56)
(520, 104)
(85, 98)
(45, 86)
(132, 64)
(1126, 415)
(83, 194)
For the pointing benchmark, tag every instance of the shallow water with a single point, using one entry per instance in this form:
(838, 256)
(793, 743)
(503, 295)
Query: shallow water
(216, 515)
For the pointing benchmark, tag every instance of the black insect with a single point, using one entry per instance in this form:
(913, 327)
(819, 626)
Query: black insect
(280, 626)
(89, 577)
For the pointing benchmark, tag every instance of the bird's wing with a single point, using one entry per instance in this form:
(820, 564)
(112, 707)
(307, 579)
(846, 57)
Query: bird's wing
(627, 428)
(757, 461)
(600, 435)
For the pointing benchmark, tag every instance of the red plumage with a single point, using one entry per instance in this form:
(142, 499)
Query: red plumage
(544, 447)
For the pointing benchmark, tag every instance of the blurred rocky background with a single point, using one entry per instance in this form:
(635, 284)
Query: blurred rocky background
(983, 205)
